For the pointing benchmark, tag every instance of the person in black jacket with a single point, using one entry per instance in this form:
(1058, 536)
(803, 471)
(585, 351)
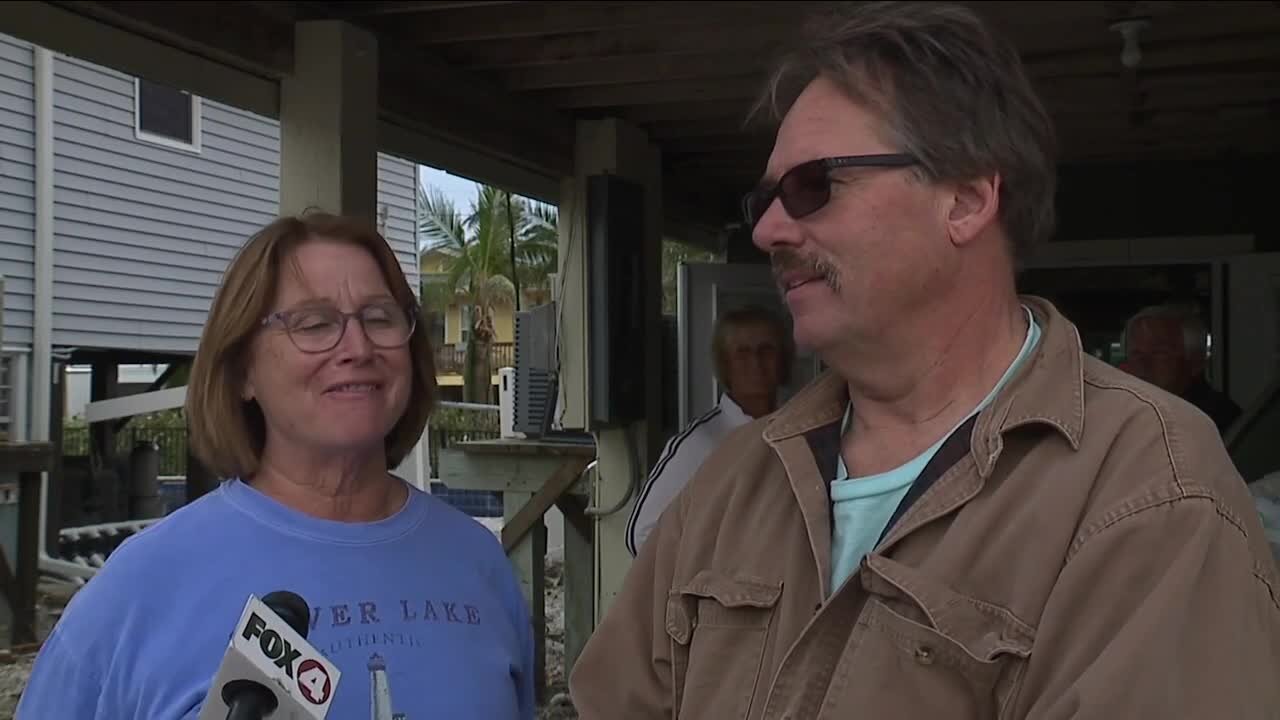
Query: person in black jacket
(1168, 346)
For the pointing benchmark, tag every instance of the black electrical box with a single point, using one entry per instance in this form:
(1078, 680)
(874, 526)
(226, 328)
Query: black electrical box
(616, 345)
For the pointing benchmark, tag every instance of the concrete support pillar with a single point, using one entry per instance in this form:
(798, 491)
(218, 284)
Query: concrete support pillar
(615, 147)
(329, 121)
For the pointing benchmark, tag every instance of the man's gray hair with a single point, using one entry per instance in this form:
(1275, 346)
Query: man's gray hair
(947, 89)
(1195, 334)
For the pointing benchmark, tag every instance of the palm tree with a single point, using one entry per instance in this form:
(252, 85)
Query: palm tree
(479, 271)
(537, 251)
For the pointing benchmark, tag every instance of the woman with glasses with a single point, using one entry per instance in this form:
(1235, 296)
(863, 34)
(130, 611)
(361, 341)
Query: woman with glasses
(313, 380)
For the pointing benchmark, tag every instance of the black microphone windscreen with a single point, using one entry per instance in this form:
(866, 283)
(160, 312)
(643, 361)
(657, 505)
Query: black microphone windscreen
(291, 608)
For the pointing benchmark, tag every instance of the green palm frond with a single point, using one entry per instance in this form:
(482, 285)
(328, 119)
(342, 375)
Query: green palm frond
(478, 269)
(439, 223)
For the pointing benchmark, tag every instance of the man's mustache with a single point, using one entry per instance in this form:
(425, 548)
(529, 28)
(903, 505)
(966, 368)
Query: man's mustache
(786, 260)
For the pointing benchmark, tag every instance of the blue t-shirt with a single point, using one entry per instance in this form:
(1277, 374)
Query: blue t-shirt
(427, 594)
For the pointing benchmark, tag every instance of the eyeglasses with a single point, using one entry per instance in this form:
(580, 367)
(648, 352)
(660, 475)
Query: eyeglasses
(320, 329)
(806, 188)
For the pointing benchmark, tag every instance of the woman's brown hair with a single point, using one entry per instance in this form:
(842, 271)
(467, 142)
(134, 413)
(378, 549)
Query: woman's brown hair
(228, 432)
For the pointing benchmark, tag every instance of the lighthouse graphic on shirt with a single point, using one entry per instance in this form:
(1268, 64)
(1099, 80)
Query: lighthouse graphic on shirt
(380, 691)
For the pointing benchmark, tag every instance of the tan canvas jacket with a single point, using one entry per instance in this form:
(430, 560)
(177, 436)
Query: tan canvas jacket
(1083, 548)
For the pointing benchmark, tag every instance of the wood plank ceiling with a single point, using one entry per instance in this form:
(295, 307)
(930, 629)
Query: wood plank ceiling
(510, 77)
(1208, 82)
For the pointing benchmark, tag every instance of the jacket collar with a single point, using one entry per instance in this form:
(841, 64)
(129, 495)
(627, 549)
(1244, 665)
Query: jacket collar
(1047, 390)
(732, 410)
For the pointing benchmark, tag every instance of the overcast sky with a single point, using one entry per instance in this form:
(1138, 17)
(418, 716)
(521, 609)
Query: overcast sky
(458, 189)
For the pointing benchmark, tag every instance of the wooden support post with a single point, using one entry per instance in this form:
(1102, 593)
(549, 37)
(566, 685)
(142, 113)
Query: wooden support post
(24, 611)
(533, 477)
(526, 517)
(54, 503)
(199, 479)
(529, 559)
(579, 585)
(28, 461)
(103, 385)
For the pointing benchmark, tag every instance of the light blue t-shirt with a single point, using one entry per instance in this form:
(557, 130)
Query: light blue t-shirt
(862, 506)
(428, 593)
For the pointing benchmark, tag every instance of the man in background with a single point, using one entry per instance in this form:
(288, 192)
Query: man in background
(1168, 346)
(752, 354)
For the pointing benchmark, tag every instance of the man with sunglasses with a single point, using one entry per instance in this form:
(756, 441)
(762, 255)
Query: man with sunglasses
(967, 516)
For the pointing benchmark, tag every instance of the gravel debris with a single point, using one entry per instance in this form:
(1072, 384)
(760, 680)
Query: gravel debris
(558, 705)
(15, 662)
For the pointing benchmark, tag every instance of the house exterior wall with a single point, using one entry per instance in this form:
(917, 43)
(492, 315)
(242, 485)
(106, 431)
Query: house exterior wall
(17, 187)
(142, 231)
(504, 329)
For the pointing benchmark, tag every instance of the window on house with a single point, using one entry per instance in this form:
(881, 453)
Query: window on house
(166, 115)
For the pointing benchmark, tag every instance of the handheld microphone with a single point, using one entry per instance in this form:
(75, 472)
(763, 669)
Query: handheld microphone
(269, 669)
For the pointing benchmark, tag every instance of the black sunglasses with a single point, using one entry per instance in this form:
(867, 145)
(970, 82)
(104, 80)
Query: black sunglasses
(806, 188)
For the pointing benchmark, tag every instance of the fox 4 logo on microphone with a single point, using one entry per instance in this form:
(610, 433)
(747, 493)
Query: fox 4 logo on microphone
(266, 650)
(312, 678)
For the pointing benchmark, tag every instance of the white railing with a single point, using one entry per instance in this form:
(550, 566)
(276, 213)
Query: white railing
(79, 567)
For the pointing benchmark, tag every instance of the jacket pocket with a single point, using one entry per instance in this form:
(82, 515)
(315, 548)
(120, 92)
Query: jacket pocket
(718, 625)
(924, 650)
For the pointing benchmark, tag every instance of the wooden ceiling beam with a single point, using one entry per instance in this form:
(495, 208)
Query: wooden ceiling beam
(1116, 128)
(470, 111)
(716, 144)
(243, 35)
(742, 89)
(732, 34)
(751, 158)
(1147, 137)
(1170, 58)
(704, 128)
(1184, 151)
(731, 111)
(728, 101)
(738, 162)
(745, 164)
(1174, 56)
(1070, 29)
(542, 19)
(1198, 78)
(1189, 22)
(366, 9)
(631, 69)
(1115, 97)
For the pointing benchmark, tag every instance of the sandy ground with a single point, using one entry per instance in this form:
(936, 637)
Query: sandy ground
(13, 676)
(557, 705)
(15, 663)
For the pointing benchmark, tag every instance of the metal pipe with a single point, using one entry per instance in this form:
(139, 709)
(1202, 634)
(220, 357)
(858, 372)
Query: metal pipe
(1, 313)
(67, 569)
(633, 478)
(19, 393)
(133, 526)
(42, 300)
(465, 405)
